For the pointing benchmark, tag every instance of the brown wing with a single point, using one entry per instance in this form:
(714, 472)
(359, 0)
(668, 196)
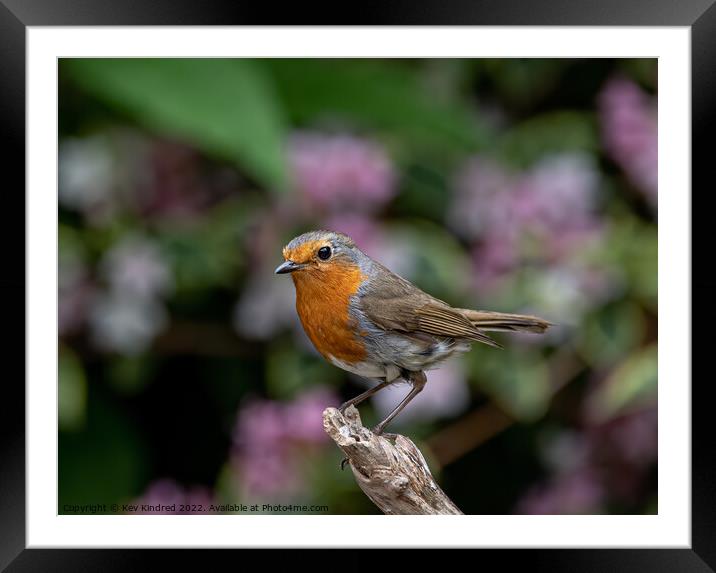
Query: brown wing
(393, 303)
(490, 320)
(446, 321)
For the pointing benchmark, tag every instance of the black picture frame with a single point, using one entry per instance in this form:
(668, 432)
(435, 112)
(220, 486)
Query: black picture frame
(17, 15)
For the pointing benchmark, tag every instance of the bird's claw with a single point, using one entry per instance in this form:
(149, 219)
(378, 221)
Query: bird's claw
(378, 431)
(344, 461)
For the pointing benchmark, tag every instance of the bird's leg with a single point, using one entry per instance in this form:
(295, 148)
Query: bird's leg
(365, 395)
(357, 400)
(418, 380)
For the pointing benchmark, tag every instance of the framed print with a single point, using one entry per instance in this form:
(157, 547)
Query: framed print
(282, 278)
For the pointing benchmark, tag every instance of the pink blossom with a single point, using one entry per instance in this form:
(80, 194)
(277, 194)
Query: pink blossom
(174, 185)
(477, 185)
(558, 193)
(304, 416)
(86, 175)
(547, 211)
(577, 492)
(136, 266)
(266, 306)
(124, 323)
(75, 292)
(166, 496)
(629, 131)
(497, 255)
(338, 172)
(271, 438)
(261, 424)
(632, 438)
(268, 473)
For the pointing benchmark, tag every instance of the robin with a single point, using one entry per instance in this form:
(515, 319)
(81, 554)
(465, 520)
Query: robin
(367, 320)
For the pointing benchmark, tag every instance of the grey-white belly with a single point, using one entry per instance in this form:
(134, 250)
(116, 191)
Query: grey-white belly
(368, 369)
(399, 353)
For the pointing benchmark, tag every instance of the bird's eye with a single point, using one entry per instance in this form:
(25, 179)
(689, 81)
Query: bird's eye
(324, 253)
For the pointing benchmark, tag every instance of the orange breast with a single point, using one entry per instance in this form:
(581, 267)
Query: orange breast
(322, 299)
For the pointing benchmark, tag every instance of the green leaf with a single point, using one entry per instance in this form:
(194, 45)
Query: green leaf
(632, 385)
(423, 194)
(634, 246)
(186, 245)
(227, 489)
(548, 133)
(225, 107)
(608, 334)
(375, 94)
(72, 391)
(518, 380)
(130, 374)
(522, 82)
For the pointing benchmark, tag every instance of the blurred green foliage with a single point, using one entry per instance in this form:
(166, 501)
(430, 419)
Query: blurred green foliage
(548, 133)
(383, 95)
(227, 107)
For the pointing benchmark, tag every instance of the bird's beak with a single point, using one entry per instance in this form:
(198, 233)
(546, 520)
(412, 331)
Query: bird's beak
(287, 267)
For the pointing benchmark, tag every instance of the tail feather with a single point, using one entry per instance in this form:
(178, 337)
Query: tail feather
(500, 321)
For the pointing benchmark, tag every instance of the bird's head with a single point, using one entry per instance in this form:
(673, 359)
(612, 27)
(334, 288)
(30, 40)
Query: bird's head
(318, 252)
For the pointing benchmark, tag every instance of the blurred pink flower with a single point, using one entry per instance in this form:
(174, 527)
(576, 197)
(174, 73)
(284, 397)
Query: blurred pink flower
(168, 497)
(102, 174)
(567, 289)
(266, 424)
(337, 172)
(632, 438)
(551, 205)
(637, 437)
(608, 460)
(136, 267)
(270, 441)
(559, 191)
(268, 473)
(629, 444)
(629, 131)
(574, 240)
(477, 185)
(75, 292)
(576, 492)
(86, 172)
(266, 306)
(494, 257)
(260, 425)
(124, 323)
(128, 316)
(174, 184)
(304, 416)
(177, 184)
(557, 194)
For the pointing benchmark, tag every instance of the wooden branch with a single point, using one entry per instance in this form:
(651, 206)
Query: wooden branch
(394, 476)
